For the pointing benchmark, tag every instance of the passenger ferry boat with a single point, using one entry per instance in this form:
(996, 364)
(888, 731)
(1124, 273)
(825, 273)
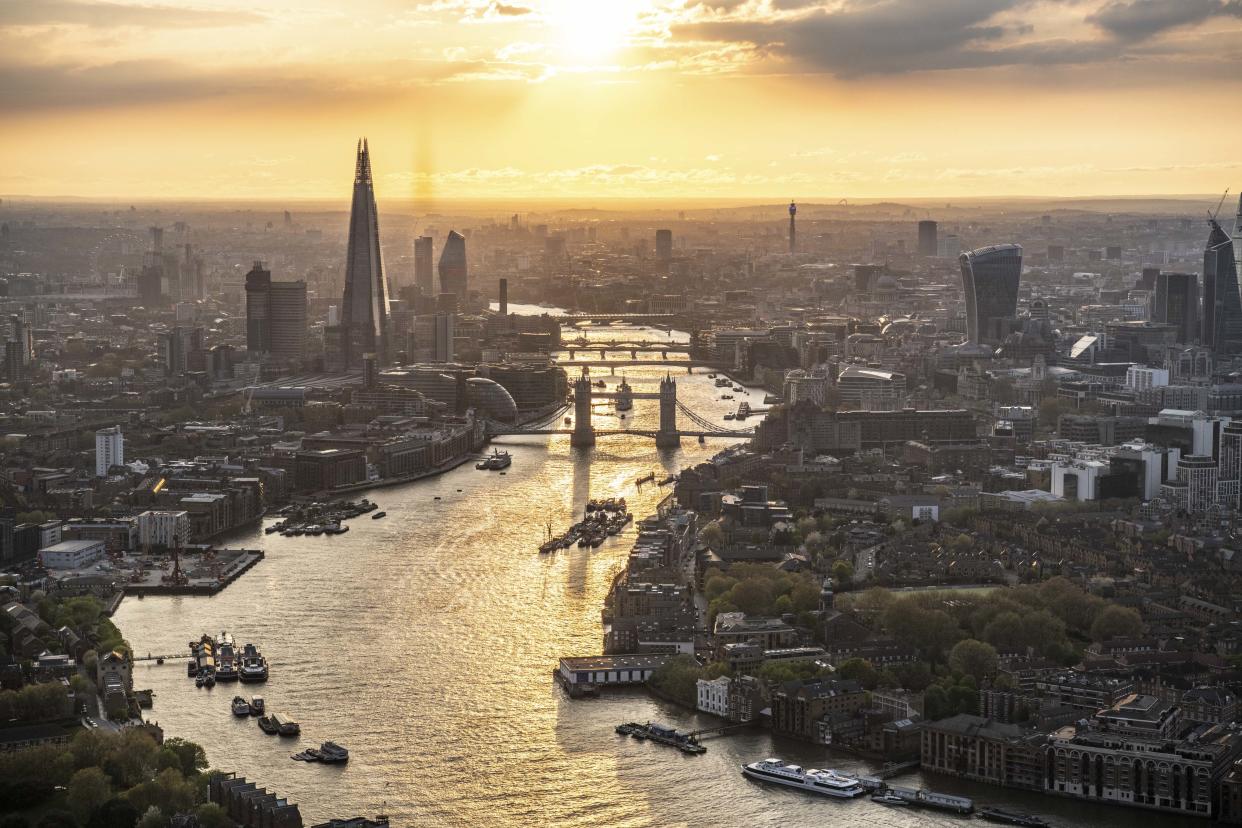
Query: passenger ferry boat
(495, 461)
(253, 665)
(822, 782)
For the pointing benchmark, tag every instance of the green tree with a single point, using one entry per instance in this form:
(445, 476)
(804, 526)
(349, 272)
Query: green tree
(678, 679)
(712, 536)
(976, 659)
(191, 758)
(751, 596)
(842, 573)
(88, 790)
(1116, 621)
(211, 815)
(115, 813)
(859, 670)
(152, 817)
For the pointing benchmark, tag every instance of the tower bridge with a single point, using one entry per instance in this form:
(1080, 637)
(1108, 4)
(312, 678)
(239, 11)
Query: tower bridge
(668, 435)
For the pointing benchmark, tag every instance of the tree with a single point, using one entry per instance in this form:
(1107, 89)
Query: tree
(712, 536)
(152, 817)
(842, 573)
(115, 813)
(973, 658)
(859, 670)
(211, 815)
(752, 596)
(191, 758)
(88, 790)
(1116, 622)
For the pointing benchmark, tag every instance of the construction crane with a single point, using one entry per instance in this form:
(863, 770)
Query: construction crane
(1212, 215)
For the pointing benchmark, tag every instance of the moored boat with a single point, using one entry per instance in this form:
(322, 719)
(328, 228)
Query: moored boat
(1011, 818)
(821, 782)
(257, 706)
(241, 707)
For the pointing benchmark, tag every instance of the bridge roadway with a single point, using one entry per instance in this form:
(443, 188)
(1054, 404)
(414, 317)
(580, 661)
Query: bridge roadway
(608, 317)
(613, 432)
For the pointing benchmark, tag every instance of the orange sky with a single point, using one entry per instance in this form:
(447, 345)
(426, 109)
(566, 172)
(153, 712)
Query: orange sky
(627, 98)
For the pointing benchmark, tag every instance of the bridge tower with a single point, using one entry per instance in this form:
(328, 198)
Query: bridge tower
(667, 436)
(584, 429)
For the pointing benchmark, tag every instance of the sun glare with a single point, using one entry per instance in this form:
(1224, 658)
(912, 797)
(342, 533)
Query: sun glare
(592, 29)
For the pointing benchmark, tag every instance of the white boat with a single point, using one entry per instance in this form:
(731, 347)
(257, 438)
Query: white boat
(889, 799)
(495, 461)
(821, 782)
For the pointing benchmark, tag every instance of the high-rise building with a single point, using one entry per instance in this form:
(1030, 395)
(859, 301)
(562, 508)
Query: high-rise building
(424, 266)
(990, 277)
(151, 277)
(182, 350)
(275, 317)
(453, 266)
(109, 450)
(1175, 301)
(1222, 308)
(364, 309)
(927, 238)
(504, 297)
(1237, 240)
(664, 245)
(443, 343)
(793, 230)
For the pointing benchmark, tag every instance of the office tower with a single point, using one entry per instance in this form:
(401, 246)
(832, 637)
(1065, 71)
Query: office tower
(1222, 309)
(990, 277)
(443, 342)
(24, 337)
(504, 297)
(258, 309)
(370, 371)
(793, 230)
(109, 450)
(453, 266)
(364, 309)
(927, 238)
(275, 317)
(1237, 240)
(182, 350)
(424, 266)
(151, 277)
(15, 368)
(1230, 467)
(664, 245)
(1147, 281)
(949, 246)
(554, 249)
(1175, 301)
(1056, 252)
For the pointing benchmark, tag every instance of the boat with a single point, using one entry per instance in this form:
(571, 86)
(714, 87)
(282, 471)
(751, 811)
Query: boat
(660, 734)
(332, 753)
(253, 665)
(191, 668)
(821, 782)
(627, 728)
(723, 382)
(379, 515)
(288, 728)
(889, 799)
(200, 680)
(308, 755)
(730, 416)
(270, 724)
(210, 681)
(241, 707)
(256, 705)
(314, 529)
(495, 461)
(1012, 818)
(711, 376)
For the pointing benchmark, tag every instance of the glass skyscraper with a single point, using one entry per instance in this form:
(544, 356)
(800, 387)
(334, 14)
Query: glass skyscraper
(453, 266)
(1222, 307)
(364, 311)
(990, 277)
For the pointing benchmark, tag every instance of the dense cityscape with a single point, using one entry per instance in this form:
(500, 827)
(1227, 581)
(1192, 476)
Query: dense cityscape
(620, 413)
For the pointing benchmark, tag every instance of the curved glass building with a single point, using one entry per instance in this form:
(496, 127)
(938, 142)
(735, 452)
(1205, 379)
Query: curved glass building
(491, 399)
(453, 266)
(990, 277)
(1222, 308)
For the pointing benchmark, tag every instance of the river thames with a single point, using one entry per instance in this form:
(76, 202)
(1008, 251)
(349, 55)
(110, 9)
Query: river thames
(425, 643)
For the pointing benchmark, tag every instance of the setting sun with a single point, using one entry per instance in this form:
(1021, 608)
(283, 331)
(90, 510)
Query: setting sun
(593, 29)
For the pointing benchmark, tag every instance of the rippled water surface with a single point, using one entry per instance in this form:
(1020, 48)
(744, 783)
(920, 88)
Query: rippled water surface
(425, 643)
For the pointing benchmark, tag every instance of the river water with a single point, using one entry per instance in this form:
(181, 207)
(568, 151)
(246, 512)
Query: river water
(425, 642)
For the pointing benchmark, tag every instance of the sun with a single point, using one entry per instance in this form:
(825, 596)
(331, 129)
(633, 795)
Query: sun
(593, 29)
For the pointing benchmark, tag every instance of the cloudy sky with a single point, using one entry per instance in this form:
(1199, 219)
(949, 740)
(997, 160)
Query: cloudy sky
(596, 98)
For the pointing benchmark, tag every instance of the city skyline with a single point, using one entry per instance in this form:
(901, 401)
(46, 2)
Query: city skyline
(479, 99)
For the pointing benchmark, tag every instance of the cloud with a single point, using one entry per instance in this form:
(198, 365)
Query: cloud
(118, 15)
(1141, 19)
(868, 37)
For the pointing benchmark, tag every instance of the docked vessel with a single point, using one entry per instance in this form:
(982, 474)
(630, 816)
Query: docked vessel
(253, 665)
(241, 707)
(821, 782)
(379, 515)
(270, 724)
(289, 728)
(1011, 818)
(226, 658)
(684, 742)
(332, 753)
(257, 706)
(889, 799)
(495, 461)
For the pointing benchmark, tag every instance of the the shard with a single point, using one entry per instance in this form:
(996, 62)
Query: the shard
(1222, 308)
(364, 311)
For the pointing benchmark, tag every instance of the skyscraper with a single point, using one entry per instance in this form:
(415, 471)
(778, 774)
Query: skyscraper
(453, 266)
(424, 266)
(793, 230)
(664, 245)
(927, 238)
(151, 278)
(1237, 240)
(364, 310)
(109, 450)
(1175, 301)
(442, 345)
(990, 277)
(1222, 308)
(275, 317)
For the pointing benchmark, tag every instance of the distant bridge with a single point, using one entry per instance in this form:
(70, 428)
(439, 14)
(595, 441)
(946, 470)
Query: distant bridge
(667, 435)
(608, 317)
